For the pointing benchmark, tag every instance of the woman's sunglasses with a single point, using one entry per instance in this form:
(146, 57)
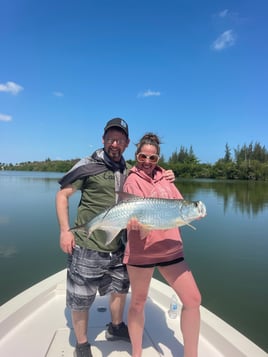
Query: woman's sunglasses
(141, 157)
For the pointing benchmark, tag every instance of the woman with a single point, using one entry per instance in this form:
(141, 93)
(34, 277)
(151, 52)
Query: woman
(161, 249)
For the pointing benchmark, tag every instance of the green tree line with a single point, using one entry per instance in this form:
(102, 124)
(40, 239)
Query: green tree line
(248, 162)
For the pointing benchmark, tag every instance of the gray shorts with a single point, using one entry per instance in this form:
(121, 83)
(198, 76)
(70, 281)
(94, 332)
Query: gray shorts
(90, 271)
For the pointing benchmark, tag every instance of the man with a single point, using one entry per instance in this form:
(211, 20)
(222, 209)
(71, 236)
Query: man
(92, 265)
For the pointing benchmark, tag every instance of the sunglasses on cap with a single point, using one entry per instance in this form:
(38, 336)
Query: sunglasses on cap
(141, 157)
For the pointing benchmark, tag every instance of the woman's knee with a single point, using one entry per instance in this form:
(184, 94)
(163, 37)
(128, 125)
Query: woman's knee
(193, 301)
(137, 303)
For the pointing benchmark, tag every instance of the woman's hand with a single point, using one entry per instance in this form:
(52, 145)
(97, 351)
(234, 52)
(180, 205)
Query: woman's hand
(169, 175)
(133, 224)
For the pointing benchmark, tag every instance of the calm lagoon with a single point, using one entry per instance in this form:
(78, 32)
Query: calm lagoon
(228, 251)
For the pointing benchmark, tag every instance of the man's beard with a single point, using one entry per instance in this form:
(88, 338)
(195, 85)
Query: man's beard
(115, 155)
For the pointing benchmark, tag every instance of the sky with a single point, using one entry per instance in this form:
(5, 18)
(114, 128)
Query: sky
(193, 72)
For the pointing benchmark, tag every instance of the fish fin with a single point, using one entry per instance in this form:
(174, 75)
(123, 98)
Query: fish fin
(181, 222)
(144, 231)
(189, 225)
(125, 196)
(81, 228)
(111, 233)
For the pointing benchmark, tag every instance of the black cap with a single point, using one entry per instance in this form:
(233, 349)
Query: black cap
(118, 123)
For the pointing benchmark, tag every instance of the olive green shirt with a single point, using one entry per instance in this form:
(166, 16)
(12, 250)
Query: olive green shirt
(98, 194)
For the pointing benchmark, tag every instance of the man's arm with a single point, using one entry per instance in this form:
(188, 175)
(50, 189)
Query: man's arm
(62, 209)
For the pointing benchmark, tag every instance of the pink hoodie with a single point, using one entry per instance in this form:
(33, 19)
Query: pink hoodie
(159, 245)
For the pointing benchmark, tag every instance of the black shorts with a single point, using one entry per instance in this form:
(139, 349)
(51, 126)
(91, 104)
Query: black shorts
(161, 264)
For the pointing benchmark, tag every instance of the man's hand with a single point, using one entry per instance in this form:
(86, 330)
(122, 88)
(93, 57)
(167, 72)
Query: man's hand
(67, 242)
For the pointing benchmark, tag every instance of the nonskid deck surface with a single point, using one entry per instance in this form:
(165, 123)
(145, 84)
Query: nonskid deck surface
(37, 324)
(54, 336)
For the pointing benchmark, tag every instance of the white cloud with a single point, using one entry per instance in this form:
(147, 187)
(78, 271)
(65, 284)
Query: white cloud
(11, 87)
(224, 13)
(150, 93)
(231, 17)
(58, 94)
(226, 39)
(4, 117)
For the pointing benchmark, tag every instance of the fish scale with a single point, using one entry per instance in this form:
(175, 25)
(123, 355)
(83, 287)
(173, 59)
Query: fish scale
(152, 213)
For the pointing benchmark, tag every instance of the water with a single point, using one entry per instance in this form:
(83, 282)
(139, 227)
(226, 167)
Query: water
(227, 252)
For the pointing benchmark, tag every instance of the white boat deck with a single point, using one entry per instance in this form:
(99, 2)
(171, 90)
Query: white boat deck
(36, 324)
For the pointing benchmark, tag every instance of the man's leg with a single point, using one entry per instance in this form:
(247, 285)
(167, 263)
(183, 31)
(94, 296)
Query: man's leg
(119, 284)
(81, 292)
(117, 329)
(117, 304)
(80, 323)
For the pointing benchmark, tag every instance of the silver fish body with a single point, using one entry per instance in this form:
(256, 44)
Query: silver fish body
(152, 214)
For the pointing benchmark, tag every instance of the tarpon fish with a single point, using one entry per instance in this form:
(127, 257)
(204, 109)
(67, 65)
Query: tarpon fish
(151, 213)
